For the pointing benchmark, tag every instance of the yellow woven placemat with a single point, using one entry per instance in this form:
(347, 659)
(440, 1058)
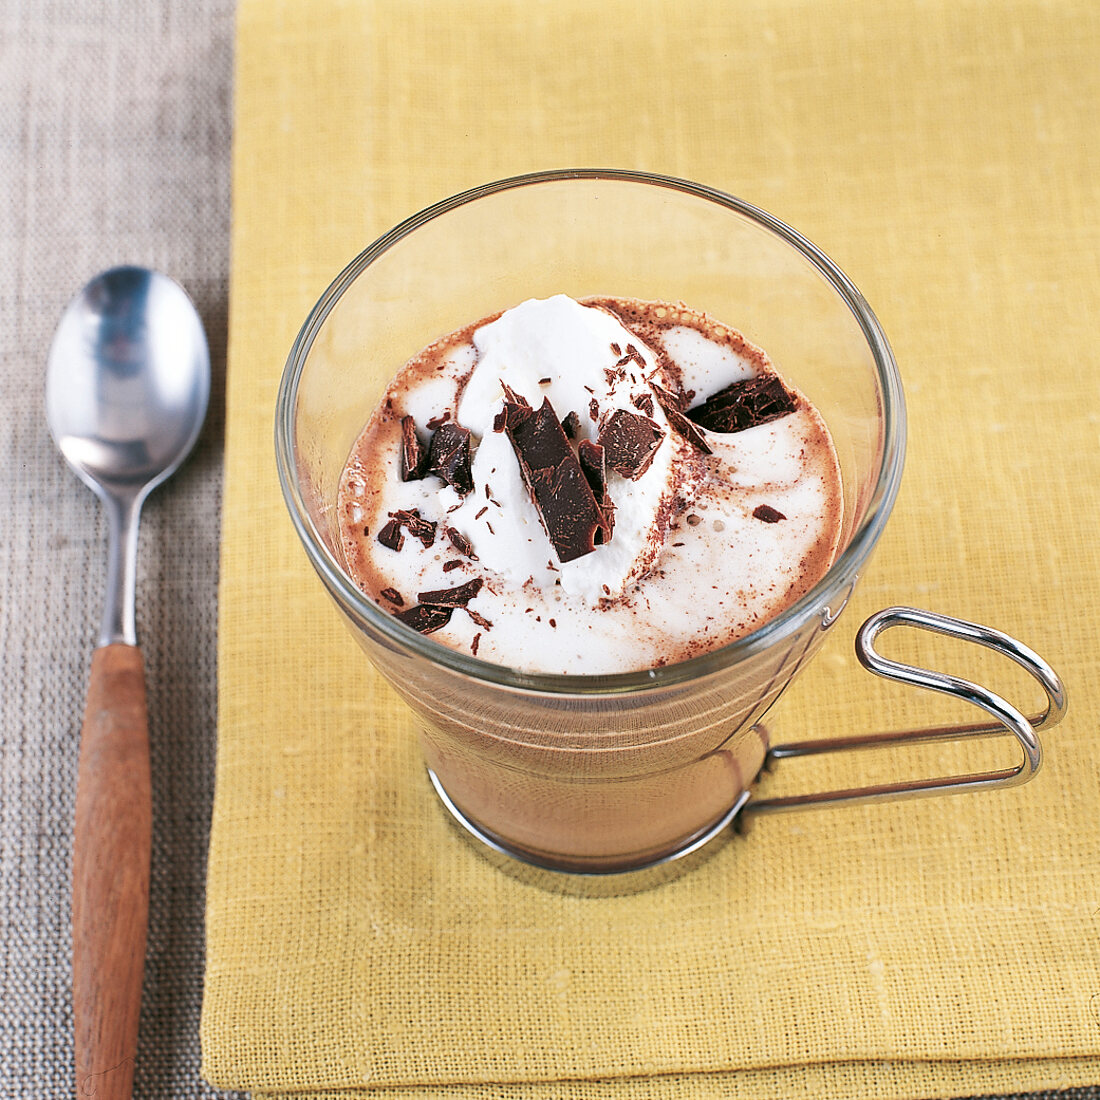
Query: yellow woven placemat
(947, 155)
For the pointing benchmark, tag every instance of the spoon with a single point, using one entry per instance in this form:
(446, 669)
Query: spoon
(127, 384)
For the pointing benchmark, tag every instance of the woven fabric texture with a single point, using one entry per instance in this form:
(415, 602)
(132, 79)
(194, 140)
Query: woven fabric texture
(114, 148)
(946, 155)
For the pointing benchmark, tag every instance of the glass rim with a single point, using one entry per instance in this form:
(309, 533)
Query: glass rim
(365, 612)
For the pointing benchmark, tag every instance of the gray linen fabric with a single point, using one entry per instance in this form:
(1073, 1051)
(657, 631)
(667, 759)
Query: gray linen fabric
(115, 139)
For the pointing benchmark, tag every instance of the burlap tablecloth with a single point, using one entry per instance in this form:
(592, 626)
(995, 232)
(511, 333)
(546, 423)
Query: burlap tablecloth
(115, 137)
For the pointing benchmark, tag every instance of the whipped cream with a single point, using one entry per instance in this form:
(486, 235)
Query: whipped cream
(558, 349)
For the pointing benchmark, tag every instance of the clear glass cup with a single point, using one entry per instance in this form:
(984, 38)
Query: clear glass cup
(613, 772)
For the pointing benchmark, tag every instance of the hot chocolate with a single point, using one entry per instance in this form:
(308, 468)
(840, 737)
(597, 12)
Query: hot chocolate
(590, 487)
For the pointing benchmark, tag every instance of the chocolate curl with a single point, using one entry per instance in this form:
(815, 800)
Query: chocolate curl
(570, 513)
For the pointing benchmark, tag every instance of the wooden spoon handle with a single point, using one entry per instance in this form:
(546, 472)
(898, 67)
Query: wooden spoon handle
(111, 848)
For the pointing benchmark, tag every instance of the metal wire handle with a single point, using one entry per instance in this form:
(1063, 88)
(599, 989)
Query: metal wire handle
(1008, 718)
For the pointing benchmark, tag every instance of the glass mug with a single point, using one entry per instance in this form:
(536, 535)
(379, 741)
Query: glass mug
(612, 773)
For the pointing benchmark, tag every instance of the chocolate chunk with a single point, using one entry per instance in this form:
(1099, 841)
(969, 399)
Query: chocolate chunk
(460, 542)
(571, 425)
(745, 404)
(516, 408)
(415, 524)
(630, 442)
(643, 402)
(391, 535)
(393, 596)
(437, 421)
(594, 464)
(678, 422)
(425, 618)
(768, 514)
(452, 597)
(569, 510)
(414, 458)
(449, 456)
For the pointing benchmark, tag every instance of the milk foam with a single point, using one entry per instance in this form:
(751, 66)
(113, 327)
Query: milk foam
(689, 566)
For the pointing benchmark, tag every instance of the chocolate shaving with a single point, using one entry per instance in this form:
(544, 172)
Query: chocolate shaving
(437, 421)
(479, 619)
(570, 512)
(425, 618)
(630, 442)
(678, 422)
(474, 643)
(768, 514)
(392, 536)
(449, 456)
(643, 402)
(745, 404)
(571, 425)
(414, 523)
(414, 458)
(452, 597)
(460, 542)
(594, 409)
(454, 563)
(393, 596)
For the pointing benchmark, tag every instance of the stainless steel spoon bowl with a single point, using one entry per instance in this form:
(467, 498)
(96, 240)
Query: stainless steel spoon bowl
(127, 385)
